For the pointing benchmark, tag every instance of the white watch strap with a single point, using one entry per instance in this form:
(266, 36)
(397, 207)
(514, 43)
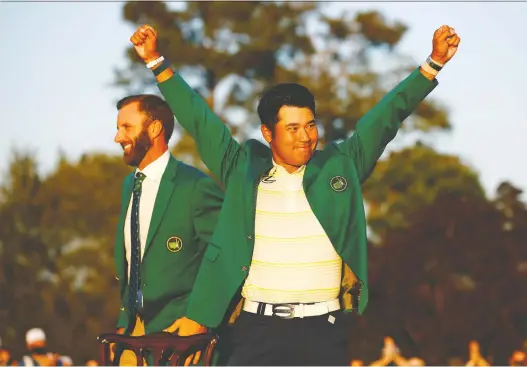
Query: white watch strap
(428, 69)
(155, 62)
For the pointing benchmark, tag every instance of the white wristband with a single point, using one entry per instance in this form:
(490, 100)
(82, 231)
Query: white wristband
(428, 69)
(155, 62)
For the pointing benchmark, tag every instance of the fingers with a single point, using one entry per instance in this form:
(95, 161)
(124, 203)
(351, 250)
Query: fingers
(173, 328)
(142, 34)
(193, 358)
(150, 33)
(197, 356)
(444, 32)
(135, 40)
(453, 41)
(112, 351)
(147, 31)
(150, 30)
(439, 30)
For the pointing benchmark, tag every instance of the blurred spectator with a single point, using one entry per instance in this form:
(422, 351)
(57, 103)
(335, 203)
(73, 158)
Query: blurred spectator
(518, 358)
(5, 357)
(476, 359)
(391, 356)
(65, 361)
(388, 353)
(456, 361)
(36, 345)
(92, 363)
(414, 361)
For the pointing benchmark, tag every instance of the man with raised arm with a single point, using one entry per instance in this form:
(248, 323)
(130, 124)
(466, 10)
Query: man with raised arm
(290, 247)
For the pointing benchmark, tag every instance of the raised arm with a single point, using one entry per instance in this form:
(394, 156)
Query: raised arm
(220, 152)
(380, 125)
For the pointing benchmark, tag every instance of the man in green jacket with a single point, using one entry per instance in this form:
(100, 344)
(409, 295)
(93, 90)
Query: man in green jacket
(289, 249)
(168, 214)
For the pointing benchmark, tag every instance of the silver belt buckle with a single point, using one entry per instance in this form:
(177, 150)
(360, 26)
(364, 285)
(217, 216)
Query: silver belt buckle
(284, 310)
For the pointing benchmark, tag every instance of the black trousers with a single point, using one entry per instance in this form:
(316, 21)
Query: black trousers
(259, 340)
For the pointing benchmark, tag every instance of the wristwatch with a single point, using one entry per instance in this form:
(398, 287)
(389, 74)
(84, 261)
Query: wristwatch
(433, 64)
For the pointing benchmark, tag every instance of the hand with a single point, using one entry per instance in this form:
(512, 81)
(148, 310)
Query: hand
(145, 43)
(186, 327)
(444, 43)
(390, 350)
(112, 346)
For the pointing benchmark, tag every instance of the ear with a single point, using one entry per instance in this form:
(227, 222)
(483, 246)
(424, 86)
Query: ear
(155, 129)
(267, 133)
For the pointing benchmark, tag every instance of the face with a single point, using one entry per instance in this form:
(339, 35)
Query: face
(295, 137)
(5, 356)
(132, 134)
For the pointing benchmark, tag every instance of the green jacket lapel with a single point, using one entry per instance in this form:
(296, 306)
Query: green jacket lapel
(119, 240)
(258, 167)
(166, 188)
(313, 168)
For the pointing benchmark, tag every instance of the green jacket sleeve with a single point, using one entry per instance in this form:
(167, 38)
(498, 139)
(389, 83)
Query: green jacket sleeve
(380, 125)
(220, 152)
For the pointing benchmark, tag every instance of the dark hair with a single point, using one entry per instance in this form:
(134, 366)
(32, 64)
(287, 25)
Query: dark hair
(285, 94)
(155, 108)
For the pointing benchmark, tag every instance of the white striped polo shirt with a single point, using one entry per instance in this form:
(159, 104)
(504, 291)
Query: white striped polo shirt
(293, 258)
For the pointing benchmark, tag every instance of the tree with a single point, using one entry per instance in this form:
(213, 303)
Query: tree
(56, 240)
(230, 55)
(24, 259)
(454, 274)
(411, 179)
(219, 46)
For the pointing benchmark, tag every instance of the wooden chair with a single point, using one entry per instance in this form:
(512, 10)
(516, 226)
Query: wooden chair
(165, 348)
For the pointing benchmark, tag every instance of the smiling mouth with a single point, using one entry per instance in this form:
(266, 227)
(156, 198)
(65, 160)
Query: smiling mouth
(127, 148)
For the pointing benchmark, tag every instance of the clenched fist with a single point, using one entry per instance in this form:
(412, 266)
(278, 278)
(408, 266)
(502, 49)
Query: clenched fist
(145, 43)
(444, 43)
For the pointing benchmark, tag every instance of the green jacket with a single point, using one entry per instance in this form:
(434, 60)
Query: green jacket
(187, 207)
(339, 208)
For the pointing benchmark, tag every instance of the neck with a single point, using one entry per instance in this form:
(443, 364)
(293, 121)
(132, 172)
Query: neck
(39, 350)
(288, 167)
(153, 153)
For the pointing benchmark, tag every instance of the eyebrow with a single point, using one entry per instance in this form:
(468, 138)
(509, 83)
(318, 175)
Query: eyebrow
(298, 123)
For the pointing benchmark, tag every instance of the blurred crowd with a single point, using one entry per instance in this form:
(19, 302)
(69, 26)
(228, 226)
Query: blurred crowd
(391, 356)
(38, 353)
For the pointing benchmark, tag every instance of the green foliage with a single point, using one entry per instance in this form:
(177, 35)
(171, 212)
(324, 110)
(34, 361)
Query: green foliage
(411, 179)
(218, 42)
(56, 241)
(456, 273)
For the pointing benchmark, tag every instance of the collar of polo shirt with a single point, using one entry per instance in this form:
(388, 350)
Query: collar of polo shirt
(278, 170)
